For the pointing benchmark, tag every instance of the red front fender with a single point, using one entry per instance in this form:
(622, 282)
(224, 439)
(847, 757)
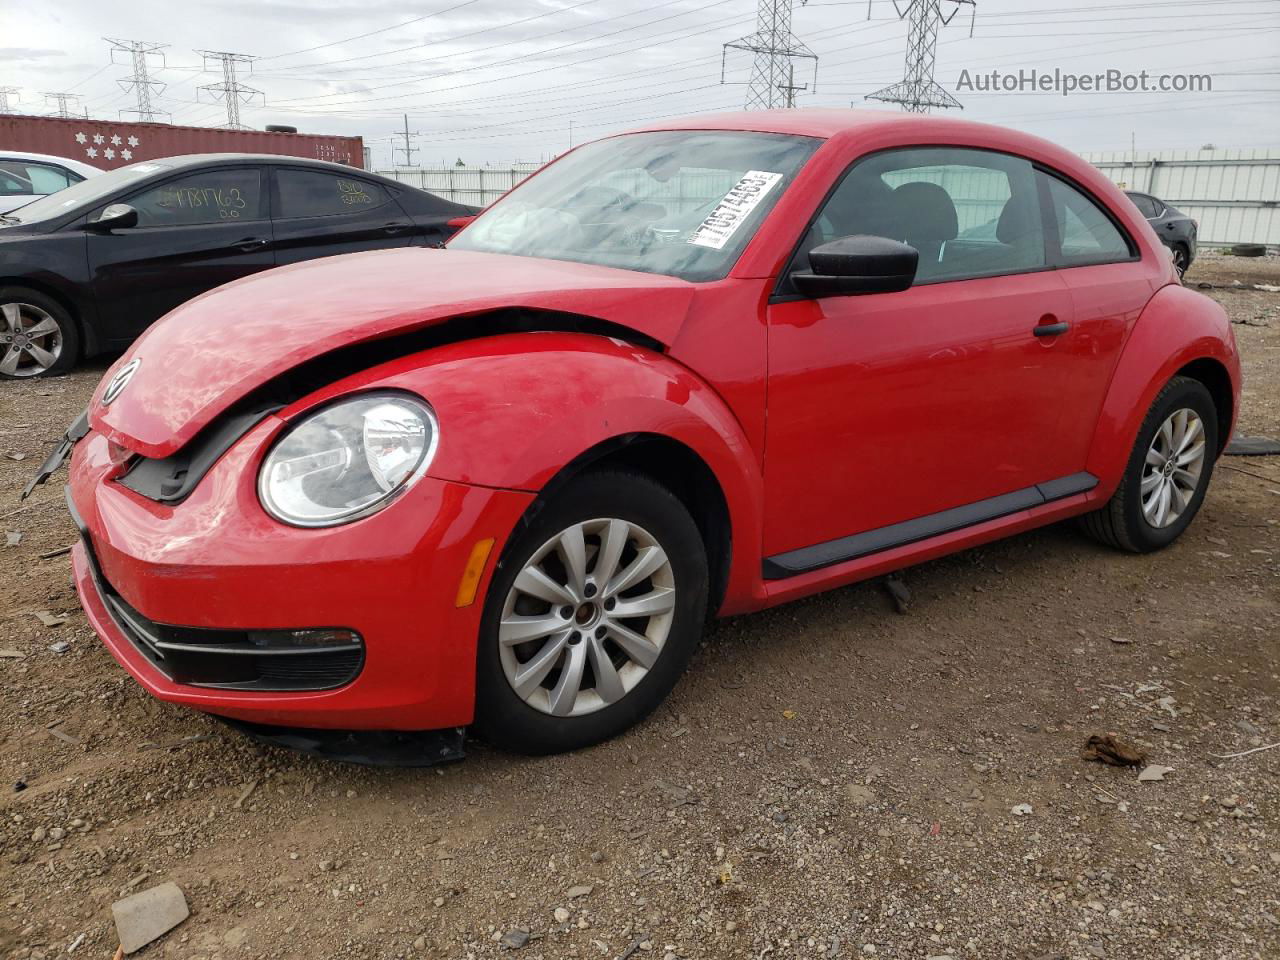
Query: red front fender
(1177, 327)
(517, 408)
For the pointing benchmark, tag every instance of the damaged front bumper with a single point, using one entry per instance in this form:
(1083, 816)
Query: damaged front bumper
(242, 586)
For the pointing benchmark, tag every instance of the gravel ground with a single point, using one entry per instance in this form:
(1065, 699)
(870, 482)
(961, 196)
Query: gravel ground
(832, 778)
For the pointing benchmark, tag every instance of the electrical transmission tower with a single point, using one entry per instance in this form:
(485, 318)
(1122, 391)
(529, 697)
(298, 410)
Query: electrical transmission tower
(231, 90)
(918, 91)
(140, 82)
(5, 94)
(62, 103)
(407, 149)
(775, 48)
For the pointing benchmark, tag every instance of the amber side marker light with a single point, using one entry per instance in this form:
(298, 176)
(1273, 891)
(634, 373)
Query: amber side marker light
(470, 582)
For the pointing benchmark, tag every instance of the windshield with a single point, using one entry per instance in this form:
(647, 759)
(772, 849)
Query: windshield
(681, 203)
(85, 193)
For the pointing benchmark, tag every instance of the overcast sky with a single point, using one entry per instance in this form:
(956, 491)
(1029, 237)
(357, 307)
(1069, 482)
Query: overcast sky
(493, 81)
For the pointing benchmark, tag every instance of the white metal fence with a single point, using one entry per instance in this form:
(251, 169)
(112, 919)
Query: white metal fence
(478, 186)
(1234, 194)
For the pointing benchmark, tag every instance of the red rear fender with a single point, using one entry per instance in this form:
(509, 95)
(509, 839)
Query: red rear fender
(1177, 327)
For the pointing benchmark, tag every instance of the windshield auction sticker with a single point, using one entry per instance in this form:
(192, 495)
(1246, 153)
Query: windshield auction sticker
(732, 212)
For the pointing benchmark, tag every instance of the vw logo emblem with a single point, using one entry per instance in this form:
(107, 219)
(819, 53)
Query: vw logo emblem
(120, 381)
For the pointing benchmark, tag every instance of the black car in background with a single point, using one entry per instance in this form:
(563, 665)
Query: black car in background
(1175, 229)
(87, 269)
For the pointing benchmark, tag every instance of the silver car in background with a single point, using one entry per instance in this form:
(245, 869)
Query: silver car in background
(28, 176)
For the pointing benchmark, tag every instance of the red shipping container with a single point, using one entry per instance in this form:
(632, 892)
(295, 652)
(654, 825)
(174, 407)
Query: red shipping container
(109, 144)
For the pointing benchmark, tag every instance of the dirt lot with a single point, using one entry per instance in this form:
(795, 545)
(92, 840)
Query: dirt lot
(832, 779)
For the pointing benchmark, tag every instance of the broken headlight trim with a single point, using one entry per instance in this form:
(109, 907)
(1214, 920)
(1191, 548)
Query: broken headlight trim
(348, 460)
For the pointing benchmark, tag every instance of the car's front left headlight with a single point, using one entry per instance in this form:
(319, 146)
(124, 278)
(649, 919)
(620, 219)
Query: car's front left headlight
(348, 460)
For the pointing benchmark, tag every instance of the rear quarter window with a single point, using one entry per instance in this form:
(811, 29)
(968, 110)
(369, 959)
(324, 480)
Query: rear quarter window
(1085, 232)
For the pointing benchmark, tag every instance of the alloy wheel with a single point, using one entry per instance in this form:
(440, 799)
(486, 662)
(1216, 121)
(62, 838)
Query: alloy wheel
(1172, 468)
(30, 340)
(587, 617)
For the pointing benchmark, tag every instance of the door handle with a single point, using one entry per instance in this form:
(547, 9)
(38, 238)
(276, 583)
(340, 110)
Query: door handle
(249, 244)
(1050, 326)
(394, 228)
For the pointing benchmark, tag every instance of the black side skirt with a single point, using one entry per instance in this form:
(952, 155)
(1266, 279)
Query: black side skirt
(807, 559)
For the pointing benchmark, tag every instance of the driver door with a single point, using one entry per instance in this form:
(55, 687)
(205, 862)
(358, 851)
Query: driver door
(194, 233)
(890, 408)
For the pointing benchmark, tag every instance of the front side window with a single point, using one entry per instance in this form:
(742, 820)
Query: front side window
(680, 203)
(1086, 234)
(969, 213)
(314, 193)
(212, 196)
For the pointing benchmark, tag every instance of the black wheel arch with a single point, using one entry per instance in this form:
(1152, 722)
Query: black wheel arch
(1217, 381)
(88, 340)
(678, 468)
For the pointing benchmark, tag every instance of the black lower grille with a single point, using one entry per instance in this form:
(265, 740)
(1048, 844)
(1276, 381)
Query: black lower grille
(263, 660)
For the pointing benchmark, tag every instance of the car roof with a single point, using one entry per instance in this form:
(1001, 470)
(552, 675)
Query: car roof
(79, 166)
(806, 122)
(880, 129)
(829, 123)
(201, 159)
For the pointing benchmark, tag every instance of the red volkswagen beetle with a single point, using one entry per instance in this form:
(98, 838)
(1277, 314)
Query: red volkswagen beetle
(698, 369)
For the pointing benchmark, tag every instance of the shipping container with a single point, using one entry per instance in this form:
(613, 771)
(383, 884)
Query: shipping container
(109, 144)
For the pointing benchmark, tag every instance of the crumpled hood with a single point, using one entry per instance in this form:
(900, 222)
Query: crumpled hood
(210, 352)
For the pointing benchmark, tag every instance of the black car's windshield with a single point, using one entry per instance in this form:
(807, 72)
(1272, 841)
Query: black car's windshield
(681, 203)
(85, 193)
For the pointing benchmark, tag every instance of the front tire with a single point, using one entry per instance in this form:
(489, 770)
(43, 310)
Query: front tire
(1167, 474)
(592, 615)
(38, 337)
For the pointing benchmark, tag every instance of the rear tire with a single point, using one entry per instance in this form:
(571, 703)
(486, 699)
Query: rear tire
(1181, 259)
(588, 671)
(1132, 519)
(38, 337)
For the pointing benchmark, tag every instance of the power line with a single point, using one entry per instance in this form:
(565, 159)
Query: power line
(372, 33)
(231, 91)
(504, 25)
(917, 91)
(96, 73)
(140, 82)
(527, 56)
(662, 38)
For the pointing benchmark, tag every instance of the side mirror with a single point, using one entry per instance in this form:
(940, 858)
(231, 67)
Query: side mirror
(856, 265)
(117, 216)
